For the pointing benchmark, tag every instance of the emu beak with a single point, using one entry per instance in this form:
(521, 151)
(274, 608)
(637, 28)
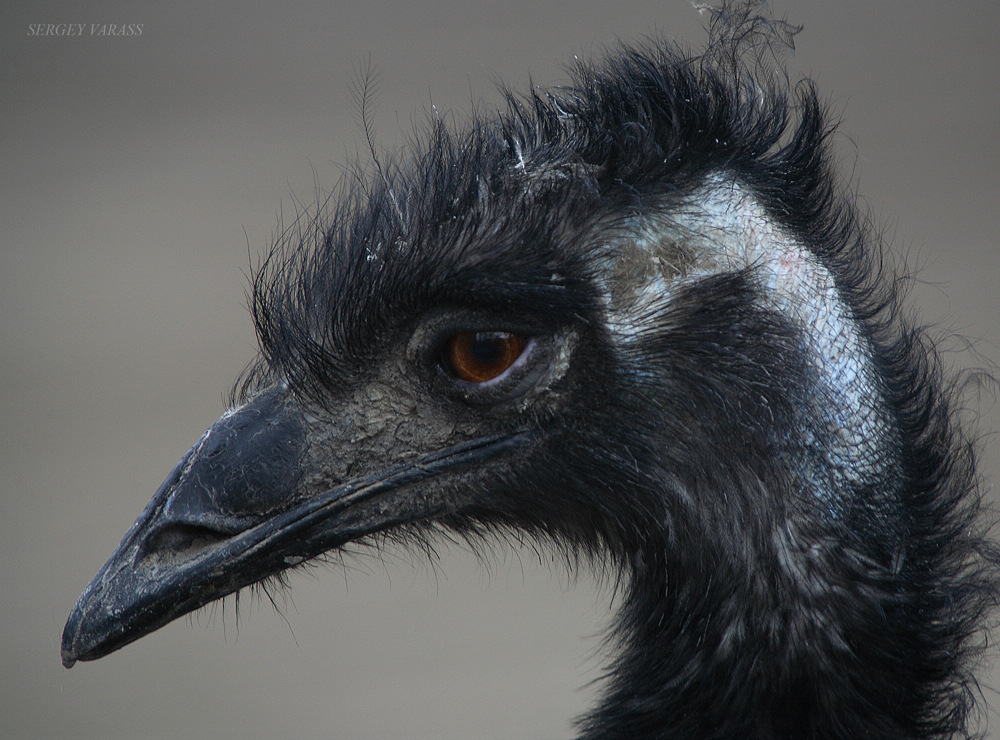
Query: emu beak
(235, 510)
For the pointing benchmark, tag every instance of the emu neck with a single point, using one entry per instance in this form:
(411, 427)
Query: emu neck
(719, 658)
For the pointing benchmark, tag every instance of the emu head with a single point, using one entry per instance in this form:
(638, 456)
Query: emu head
(637, 318)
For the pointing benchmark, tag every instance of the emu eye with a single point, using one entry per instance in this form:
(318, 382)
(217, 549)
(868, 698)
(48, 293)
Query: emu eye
(480, 356)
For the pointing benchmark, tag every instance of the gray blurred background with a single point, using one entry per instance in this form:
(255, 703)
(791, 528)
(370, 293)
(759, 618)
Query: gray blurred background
(137, 175)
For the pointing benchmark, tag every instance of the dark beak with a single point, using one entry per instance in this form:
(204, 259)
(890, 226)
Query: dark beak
(238, 508)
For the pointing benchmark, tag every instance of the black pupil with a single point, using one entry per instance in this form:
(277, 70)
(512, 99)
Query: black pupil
(486, 348)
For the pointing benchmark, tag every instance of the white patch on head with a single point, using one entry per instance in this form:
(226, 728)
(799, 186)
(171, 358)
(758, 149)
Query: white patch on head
(724, 229)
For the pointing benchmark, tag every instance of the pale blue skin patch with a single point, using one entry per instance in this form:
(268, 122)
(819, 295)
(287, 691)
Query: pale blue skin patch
(846, 426)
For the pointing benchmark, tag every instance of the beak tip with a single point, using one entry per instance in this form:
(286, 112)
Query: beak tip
(68, 652)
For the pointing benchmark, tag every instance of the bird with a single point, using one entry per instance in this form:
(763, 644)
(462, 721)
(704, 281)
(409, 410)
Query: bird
(639, 319)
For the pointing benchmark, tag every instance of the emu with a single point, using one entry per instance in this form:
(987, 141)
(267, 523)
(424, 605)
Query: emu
(636, 318)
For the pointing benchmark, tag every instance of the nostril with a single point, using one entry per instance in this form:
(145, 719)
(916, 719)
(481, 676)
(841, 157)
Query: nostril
(182, 540)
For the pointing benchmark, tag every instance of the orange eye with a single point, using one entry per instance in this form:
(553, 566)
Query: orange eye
(479, 356)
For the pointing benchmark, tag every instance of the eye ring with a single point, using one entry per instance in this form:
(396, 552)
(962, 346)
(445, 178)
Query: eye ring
(479, 357)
